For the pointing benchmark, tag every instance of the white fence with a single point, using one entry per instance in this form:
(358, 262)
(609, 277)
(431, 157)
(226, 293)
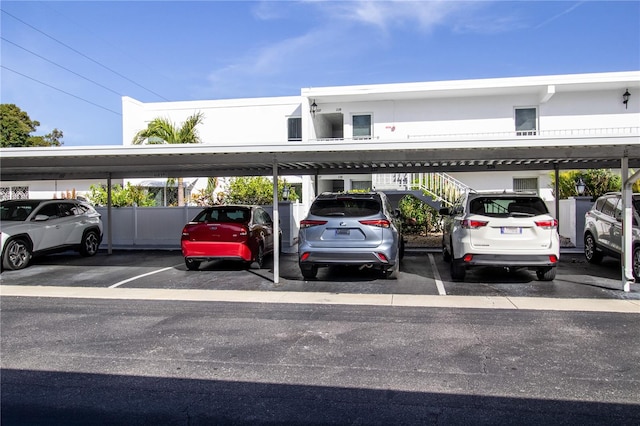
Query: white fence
(161, 227)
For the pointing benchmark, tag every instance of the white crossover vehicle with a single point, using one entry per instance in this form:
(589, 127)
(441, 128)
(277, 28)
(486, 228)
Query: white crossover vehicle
(603, 230)
(502, 229)
(35, 227)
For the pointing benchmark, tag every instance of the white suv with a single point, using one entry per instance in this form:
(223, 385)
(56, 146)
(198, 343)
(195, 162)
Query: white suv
(503, 229)
(603, 230)
(34, 227)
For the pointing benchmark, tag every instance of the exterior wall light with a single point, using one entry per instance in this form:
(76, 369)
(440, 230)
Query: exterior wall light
(285, 192)
(625, 96)
(580, 186)
(314, 108)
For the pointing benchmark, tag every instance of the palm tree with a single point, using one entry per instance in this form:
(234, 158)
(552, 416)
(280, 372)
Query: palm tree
(162, 130)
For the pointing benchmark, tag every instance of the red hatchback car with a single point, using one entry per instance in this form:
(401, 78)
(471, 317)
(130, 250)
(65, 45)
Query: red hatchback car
(235, 232)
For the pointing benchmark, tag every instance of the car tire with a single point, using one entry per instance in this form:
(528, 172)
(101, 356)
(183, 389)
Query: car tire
(309, 271)
(546, 274)
(445, 254)
(90, 243)
(16, 255)
(259, 259)
(635, 263)
(591, 252)
(191, 264)
(392, 272)
(458, 270)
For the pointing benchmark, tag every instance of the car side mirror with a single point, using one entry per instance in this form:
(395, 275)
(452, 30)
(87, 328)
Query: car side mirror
(397, 213)
(41, 218)
(445, 211)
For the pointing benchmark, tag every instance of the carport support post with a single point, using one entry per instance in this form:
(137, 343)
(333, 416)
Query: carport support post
(276, 226)
(109, 222)
(556, 170)
(627, 228)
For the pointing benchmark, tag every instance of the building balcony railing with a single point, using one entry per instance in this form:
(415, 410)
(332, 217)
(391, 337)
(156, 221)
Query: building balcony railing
(511, 135)
(559, 133)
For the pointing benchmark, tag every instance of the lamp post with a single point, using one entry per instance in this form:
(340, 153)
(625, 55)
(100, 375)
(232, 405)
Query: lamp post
(580, 186)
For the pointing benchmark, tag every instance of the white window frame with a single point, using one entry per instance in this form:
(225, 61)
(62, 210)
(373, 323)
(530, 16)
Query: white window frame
(353, 115)
(293, 139)
(526, 132)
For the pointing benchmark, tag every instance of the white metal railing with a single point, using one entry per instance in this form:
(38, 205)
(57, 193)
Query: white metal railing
(559, 133)
(441, 186)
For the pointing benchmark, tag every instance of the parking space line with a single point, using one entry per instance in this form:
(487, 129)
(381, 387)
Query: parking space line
(436, 276)
(118, 284)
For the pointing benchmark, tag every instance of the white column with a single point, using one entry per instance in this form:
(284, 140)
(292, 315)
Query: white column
(276, 226)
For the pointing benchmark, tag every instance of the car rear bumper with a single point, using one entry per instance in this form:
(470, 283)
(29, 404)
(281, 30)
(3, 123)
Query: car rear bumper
(219, 250)
(319, 258)
(510, 260)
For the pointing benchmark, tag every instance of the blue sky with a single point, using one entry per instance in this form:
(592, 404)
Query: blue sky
(68, 64)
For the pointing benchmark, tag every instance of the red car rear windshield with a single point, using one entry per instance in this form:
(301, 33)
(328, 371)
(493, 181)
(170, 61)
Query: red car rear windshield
(224, 215)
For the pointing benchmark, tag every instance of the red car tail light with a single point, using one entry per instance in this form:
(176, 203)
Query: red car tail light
(310, 223)
(381, 223)
(305, 256)
(473, 224)
(553, 258)
(547, 224)
(467, 257)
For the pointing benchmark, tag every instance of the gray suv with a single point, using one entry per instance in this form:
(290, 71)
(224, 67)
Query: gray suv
(351, 228)
(603, 230)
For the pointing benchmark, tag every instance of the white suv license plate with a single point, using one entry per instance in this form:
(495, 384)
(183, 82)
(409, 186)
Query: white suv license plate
(510, 230)
(342, 232)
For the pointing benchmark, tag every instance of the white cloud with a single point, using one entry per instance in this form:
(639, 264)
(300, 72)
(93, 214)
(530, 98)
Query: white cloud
(386, 15)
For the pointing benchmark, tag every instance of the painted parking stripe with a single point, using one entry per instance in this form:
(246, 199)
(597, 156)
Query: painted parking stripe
(118, 284)
(436, 276)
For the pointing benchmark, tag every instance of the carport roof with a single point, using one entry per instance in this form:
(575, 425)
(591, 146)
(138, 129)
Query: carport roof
(319, 157)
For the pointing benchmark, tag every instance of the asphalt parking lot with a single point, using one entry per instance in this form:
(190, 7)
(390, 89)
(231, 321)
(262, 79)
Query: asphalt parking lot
(422, 273)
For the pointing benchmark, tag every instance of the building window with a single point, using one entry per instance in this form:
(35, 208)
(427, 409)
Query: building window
(526, 121)
(294, 129)
(362, 126)
(361, 185)
(525, 184)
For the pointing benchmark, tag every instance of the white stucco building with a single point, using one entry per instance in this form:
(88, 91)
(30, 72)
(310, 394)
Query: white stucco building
(512, 110)
(581, 108)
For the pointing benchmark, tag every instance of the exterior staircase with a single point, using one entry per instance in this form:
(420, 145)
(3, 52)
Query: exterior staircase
(435, 189)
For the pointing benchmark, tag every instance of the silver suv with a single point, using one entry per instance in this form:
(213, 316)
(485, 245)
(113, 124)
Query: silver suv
(35, 227)
(500, 228)
(352, 228)
(603, 230)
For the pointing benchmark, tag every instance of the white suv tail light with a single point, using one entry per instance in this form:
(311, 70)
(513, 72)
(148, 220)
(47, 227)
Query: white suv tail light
(473, 224)
(547, 224)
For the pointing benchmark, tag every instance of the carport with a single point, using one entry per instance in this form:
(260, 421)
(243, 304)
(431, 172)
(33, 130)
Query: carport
(480, 153)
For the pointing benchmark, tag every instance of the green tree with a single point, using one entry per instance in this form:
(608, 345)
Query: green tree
(597, 182)
(420, 218)
(16, 127)
(255, 190)
(206, 196)
(121, 197)
(163, 130)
